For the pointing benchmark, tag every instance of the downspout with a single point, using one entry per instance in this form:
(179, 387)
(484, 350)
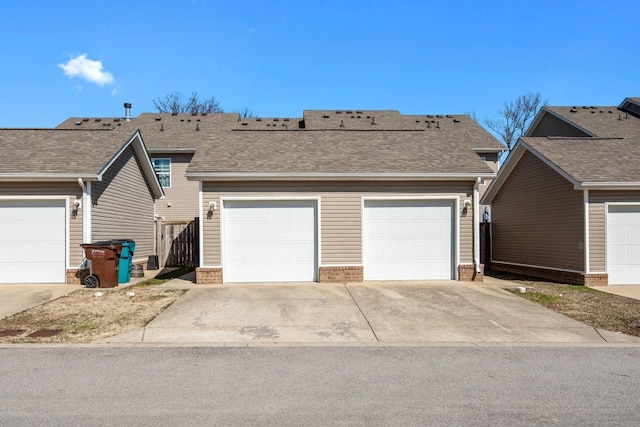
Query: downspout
(476, 225)
(86, 210)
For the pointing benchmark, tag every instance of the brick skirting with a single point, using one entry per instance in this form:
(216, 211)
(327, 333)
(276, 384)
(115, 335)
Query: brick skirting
(335, 274)
(467, 273)
(209, 276)
(559, 276)
(75, 276)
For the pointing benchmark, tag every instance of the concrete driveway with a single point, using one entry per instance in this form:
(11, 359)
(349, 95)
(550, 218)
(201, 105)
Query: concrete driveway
(385, 313)
(17, 298)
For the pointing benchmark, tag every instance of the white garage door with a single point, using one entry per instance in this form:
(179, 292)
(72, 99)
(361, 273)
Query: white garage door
(270, 241)
(623, 245)
(32, 241)
(408, 240)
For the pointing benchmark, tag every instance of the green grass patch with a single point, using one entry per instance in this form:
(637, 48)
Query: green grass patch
(539, 298)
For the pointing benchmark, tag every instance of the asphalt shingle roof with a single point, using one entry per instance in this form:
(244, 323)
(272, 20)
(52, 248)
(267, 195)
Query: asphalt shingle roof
(341, 141)
(431, 151)
(54, 151)
(592, 159)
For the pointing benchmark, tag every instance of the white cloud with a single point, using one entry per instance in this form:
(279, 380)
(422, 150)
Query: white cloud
(87, 69)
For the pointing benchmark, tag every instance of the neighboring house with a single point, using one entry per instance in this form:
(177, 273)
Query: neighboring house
(62, 188)
(332, 196)
(566, 203)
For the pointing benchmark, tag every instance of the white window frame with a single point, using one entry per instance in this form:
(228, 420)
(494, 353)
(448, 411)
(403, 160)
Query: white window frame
(168, 159)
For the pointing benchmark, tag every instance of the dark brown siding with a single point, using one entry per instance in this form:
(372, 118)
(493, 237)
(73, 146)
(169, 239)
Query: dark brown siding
(123, 205)
(553, 126)
(538, 218)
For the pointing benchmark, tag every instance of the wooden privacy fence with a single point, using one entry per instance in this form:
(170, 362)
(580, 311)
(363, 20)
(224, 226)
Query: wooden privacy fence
(177, 243)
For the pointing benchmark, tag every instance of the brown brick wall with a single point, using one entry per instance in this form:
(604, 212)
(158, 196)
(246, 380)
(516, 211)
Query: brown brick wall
(341, 274)
(208, 276)
(75, 276)
(596, 279)
(467, 273)
(555, 275)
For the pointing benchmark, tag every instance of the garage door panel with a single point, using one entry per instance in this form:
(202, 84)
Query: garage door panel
(32, 241)
(270, 241)
(408, 240)
(623, 244)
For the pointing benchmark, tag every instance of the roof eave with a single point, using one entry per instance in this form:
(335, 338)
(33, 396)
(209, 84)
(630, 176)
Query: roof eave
(172, 150)
(608, 186)
(245, 176)
(51, 177)
(137, 143)
(490, 150)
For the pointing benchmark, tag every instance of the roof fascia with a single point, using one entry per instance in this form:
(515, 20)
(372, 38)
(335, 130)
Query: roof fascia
(56, 177)
(626, 102)
(512, 160)
(171, 150)
(610, 186)
(284, 176)
(136, 142)
(489, 150)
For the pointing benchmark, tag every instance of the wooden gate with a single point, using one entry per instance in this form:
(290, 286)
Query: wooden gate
(177, 243)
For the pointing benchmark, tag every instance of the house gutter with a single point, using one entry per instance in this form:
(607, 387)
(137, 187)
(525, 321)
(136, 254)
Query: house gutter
(285, 176)
(476, 224)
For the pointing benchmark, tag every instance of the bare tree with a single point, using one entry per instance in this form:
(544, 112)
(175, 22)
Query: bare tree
(174, 103)
(246, 113)
(516, 117)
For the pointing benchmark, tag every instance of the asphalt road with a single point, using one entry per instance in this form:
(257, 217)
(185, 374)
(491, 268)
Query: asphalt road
(497, 386)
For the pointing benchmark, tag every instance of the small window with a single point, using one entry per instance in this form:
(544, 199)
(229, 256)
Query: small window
(163, 171)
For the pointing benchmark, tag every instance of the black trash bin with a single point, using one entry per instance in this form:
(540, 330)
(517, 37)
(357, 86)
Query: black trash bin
(104, 257)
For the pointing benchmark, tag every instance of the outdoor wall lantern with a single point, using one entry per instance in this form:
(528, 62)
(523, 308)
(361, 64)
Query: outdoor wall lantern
(76, 207)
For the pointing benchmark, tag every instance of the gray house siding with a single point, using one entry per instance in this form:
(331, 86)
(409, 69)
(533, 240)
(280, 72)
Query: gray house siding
(538, 219)
(123, 206)
(340, 214)
(181, 199)
(598, 225)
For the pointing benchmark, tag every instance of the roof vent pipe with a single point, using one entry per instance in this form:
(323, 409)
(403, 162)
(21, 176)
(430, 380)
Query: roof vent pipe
(127, 111)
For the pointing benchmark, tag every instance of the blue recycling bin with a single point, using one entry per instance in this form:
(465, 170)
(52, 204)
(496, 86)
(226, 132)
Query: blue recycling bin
(126, 259)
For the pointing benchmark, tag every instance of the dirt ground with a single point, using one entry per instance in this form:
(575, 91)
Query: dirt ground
(592, 307)
(87, 315)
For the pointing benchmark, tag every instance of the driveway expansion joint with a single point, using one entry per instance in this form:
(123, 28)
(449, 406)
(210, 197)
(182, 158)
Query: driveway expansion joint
(361, 312)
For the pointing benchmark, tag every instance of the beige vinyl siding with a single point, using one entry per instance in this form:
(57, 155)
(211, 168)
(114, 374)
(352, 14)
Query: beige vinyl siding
(553, 126)
(181, 199)
(340, 213)
(123, 205)
(73, 191)
(538, 218)
(598, 224)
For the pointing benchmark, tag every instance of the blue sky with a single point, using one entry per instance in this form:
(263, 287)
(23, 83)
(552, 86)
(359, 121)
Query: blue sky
(86, 58)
